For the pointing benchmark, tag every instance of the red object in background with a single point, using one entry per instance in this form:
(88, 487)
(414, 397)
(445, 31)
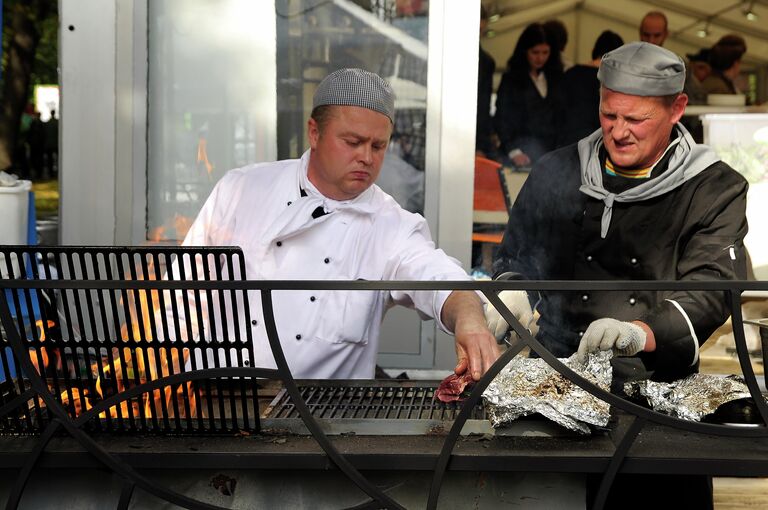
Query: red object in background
(453, 387)
(489, 195)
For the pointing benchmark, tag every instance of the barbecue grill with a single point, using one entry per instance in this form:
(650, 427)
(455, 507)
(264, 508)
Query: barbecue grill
(121, 363)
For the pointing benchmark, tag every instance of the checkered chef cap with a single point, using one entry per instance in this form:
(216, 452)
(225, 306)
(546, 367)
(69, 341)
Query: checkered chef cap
(356, 87)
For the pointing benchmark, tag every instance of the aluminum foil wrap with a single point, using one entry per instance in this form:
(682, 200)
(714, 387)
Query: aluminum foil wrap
(529, 385)
(691, 398)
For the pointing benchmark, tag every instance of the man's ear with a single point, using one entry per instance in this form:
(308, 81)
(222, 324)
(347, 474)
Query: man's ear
(313, 133)
(678, 107)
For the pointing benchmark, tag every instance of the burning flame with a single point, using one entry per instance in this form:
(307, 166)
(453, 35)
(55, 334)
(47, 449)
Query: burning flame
(182, 224)
(135, 366)
(42, 355)
(202, 156)
(157, 234)
(179, 223)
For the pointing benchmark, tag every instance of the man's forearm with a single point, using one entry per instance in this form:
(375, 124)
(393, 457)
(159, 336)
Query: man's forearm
(462, 303)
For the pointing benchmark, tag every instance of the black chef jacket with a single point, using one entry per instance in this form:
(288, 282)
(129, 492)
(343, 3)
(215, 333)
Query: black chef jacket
(693, 232)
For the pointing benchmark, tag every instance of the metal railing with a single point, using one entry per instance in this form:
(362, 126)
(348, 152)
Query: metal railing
(18, 290)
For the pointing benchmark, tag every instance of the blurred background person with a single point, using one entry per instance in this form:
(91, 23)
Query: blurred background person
(529, 103)
(725, 59)
(485, 145)
(653, 28)
(557, 35)
(698, 71)
(36, 138)
(582, 95)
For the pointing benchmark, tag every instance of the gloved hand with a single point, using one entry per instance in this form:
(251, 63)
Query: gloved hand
(623, 338)
(518, 304)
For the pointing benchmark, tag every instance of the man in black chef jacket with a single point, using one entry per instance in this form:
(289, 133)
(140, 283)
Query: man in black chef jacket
(636, 200)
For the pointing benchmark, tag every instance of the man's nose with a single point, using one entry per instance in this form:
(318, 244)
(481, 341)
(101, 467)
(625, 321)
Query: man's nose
(366, 154)
(620, 129)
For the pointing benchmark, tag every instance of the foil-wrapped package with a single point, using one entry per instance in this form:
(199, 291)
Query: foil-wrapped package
(529, 385)
(690, 398)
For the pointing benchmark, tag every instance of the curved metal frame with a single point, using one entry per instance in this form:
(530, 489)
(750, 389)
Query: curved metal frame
(641, 416)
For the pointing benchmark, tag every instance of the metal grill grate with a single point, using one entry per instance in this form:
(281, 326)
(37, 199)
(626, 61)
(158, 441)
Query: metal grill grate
(370, 407)
(369, 403)
(91, 344)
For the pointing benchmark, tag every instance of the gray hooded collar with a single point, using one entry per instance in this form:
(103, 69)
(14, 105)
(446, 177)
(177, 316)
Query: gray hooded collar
(687, 160)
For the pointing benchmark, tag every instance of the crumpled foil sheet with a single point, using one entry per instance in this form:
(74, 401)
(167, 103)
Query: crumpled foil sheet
(529, 385)
(690, 398)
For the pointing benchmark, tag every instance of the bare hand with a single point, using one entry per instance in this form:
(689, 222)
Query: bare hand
(476, 348)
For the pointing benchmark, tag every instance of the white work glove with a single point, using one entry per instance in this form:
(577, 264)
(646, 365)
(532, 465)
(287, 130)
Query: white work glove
(623, 338)
(518, 304)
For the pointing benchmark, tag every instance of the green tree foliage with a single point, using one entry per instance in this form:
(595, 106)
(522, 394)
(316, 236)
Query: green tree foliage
(30, 57)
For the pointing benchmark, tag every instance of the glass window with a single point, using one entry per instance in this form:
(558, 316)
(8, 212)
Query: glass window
(211, 102)
(231, 84)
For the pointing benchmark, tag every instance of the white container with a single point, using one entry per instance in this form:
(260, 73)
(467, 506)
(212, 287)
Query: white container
(741, 140)
(14, 212)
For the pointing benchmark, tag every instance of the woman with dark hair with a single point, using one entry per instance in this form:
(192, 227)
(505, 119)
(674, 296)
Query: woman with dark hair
(528, 103)
(725, 60)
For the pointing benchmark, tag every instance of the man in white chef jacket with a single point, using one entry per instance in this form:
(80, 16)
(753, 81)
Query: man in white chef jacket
(321, 217)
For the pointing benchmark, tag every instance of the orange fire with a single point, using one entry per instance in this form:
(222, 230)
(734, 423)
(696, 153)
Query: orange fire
(179, 223)
(42, 355)
(202, 156)
(135, 366)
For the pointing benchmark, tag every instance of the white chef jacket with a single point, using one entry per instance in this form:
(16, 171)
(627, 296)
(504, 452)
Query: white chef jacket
(324, 334)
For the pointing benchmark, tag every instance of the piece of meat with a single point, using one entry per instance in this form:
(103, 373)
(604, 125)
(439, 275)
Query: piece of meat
(452, 388)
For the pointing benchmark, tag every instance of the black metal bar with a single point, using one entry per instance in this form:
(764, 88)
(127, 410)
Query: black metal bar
(92, 312)
(17, 491)
(741, 349)
(162, 352)
(618, 458)
(100, 261)
(126, 493)
(181, 264)
(147, 307)
(361, 285)
(212, 273)
(466, 409)
(113, 346)
(16, 402)
(202, 332)
(285, 374)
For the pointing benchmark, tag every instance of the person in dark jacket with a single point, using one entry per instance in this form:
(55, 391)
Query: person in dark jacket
(636, 200)
(725, 60)
(484, 139)
(582, 95)
(528, 102)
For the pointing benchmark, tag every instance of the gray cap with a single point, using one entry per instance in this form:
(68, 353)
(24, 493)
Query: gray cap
(642, 69)
(356, 87)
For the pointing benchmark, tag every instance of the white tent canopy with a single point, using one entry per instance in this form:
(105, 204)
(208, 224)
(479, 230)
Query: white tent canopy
(586, 19)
